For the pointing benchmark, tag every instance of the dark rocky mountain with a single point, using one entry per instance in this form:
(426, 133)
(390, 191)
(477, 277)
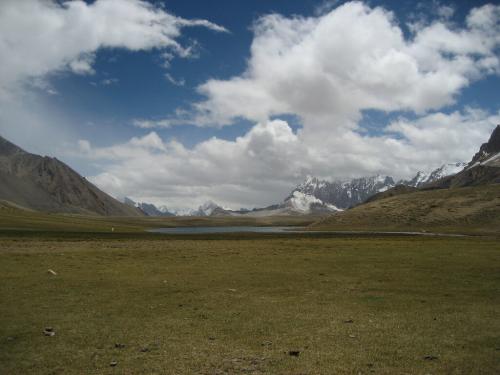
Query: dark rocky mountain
(488, 149)
(46, 184)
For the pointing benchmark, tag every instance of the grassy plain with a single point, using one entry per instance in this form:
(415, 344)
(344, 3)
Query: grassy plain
(234, 304)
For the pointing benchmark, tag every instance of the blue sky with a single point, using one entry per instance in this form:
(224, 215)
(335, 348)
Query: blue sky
(58, 107)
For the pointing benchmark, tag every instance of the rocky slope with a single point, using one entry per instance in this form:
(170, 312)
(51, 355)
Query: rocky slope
(47, 184)
(489, 152)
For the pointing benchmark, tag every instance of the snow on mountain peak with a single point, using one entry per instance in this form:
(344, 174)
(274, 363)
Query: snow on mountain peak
(422, 178)
(302, 202)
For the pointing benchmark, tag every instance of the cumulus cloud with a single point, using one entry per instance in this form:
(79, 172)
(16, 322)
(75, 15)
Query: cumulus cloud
(353, 58)
(38, 37)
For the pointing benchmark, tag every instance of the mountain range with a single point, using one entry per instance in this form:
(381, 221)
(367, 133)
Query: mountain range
(47, 184)
(316, 196)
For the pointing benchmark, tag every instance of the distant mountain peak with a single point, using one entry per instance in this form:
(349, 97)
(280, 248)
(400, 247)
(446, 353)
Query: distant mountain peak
(423, 178)
(207, 209)
(148, 208)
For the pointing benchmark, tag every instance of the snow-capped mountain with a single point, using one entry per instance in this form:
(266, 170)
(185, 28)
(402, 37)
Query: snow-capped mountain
(148, 208)
(422, 178)
(208, 208)
(343, 194)
(301, 202)
(312, 196)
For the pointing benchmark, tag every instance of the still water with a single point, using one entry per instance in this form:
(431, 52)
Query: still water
(291, 230)
(235, 229)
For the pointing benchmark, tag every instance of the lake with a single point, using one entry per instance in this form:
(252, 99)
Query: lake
(290, 230)
(229, 229)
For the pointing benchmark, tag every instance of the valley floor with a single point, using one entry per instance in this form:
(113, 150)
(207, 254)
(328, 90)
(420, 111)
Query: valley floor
(255, 304)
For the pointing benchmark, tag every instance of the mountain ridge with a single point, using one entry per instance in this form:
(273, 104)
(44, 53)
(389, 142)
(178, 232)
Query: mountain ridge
(44, 183)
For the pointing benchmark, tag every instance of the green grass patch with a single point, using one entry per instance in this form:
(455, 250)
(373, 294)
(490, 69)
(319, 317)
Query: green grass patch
(182, 305)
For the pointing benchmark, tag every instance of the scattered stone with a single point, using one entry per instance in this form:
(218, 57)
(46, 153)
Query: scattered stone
(49, 331)
(294, 353)
(267, 343)
(430, 357)
(352, 336)
(349, 321)
(119, 346)
(52, 272)
(145, 349)
(113, 363)
(10, 338)
(232, 290)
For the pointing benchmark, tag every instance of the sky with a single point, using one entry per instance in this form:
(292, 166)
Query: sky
(180, 102)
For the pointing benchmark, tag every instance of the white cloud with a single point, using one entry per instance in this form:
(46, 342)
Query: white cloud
(83, 64)
(174, 81)
(38, 37)
(262, 166)
(331, 67)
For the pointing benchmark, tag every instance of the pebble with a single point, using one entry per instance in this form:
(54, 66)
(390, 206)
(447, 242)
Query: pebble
(49, 331)
(430, 357)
